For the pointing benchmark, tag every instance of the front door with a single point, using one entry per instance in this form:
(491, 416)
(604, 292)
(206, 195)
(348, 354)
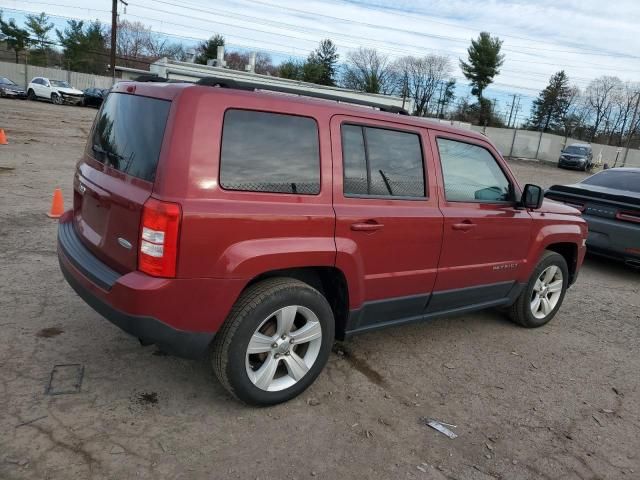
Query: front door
(388, 224)
(486, 237)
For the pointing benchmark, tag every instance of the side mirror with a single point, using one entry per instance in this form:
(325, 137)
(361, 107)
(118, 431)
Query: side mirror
(532, 196)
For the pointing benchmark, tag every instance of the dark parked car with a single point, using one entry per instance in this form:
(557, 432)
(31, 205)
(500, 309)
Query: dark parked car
(10, 89)
(260, 227)
(577, 155)
(93, 97)
(610, 203)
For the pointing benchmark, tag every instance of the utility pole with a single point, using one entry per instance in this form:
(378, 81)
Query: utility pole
(405, 88)
(632, 129)
(513, 104)
(515, 113)
(114, 27)
(439, 101)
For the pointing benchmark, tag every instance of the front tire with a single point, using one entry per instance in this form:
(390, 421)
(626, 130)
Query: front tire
(275, 342)
(56, 99)
(542, 297)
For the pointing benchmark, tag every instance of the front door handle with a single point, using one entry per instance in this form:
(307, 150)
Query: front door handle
(465, 226)
(367, 226)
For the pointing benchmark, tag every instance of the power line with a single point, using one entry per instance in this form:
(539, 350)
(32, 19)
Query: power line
(457, 77)
(219, 12)
(472, 28)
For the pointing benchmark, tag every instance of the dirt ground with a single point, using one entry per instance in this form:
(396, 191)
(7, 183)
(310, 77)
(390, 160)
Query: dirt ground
(560, 402)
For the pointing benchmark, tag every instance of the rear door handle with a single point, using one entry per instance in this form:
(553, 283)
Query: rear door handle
(465, 226)
(366, 226)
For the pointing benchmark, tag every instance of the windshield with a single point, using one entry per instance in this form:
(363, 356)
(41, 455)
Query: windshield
(59, 83)
(577, 150)
(128, 134)
(5, 81)
(616, 179)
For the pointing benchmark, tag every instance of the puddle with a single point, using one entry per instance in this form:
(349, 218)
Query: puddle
(361, 365)
(49, 332)
(147, 398)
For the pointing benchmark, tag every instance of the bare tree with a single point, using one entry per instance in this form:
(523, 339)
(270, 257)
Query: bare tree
(264, 64)
(369, 71)
(422, 77)
(624, 104)
(132, 39)
(158, 47)
(600, 95)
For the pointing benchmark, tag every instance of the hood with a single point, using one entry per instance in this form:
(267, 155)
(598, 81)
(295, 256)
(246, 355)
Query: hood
(551, 206)
(73, 91)
(15, 88)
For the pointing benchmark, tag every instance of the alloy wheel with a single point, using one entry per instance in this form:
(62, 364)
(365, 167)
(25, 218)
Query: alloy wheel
(283, 348)
(546, 292)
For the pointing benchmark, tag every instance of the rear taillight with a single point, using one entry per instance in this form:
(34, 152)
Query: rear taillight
(159, 231)
(628, 217)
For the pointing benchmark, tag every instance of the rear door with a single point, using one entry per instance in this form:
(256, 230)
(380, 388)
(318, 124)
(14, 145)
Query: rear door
(388, 225)
(486, 238)
(39, 88)
(116, 174)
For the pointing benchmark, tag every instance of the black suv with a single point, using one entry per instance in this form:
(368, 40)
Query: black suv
(576, 155)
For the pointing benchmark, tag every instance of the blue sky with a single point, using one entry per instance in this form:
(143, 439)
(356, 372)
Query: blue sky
(586, 38)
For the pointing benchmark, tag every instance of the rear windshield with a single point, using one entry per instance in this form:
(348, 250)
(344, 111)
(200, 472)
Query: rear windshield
(128, 134)
(619, 180)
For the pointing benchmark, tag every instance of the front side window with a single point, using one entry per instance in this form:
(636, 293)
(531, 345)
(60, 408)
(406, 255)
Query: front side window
(471, 173)
(382, 162)
(269, 152)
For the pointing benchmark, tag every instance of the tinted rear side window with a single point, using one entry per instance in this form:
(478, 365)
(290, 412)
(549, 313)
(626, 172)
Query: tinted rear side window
(383, 162)
(269, 152)
(619, 180)
(128, 134)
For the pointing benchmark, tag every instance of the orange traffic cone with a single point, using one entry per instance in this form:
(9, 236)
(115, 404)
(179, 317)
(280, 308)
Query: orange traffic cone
(3, 138)
(57, 204)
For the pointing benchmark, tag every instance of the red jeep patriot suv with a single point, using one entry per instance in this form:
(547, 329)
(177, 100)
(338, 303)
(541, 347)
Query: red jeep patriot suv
(261, 226)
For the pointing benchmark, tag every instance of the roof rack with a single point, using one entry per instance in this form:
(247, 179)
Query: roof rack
(249, 85)
(155, 78)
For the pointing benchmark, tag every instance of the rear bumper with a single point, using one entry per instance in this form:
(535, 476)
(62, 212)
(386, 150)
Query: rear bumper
(613, 237)
(14, 94)
(179, 315)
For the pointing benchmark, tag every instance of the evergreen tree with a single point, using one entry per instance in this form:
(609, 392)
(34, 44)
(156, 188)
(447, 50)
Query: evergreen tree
(39, 28)
(320, 66)
(483, 65)
(290, 69)
(208, 49)
(16, 38)
(84, 48)
(548, 110)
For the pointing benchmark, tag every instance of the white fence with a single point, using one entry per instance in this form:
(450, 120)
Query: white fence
(22, 75)
(547, 147)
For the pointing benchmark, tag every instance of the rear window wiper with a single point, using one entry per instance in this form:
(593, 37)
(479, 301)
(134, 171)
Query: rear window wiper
(110, 155)
(386, 181)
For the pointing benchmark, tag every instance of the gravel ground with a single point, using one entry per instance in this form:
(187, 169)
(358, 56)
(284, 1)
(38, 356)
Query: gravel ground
(560, 402)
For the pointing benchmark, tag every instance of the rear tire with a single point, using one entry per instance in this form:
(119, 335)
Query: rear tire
(543, 295)
(31, 95)
(289, 326)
